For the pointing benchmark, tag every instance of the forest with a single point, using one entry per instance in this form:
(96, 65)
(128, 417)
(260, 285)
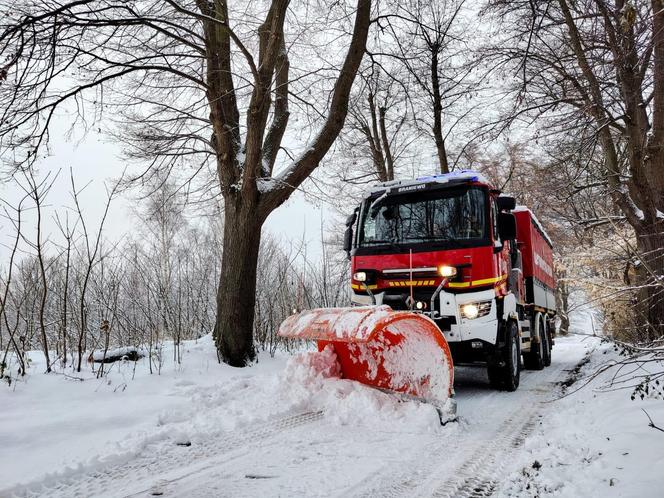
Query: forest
(560, 104)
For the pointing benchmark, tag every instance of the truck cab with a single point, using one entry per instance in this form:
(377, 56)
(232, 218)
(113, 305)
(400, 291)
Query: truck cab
(446, 246)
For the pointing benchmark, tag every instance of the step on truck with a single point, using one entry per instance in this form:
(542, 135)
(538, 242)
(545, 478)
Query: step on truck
(451, 255)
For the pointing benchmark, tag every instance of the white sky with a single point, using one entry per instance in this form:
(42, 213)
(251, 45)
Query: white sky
(95, 160)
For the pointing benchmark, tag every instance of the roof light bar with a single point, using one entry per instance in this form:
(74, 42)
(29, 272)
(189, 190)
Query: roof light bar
(463, 174)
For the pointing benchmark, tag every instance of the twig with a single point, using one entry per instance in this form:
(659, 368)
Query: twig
(651, 423)
(73, 377)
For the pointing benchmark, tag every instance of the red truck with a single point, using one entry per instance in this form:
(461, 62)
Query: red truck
(452, 248)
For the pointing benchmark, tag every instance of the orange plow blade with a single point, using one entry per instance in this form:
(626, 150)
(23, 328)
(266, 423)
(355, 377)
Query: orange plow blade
(397, 351)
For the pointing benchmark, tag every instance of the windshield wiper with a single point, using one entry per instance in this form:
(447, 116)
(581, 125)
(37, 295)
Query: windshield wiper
(430, 239)
(376, 241)
(392, 243)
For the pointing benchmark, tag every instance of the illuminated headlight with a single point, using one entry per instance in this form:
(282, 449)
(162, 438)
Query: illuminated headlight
(470, 311)
(447, 271)
(421, 305)
(360, 276)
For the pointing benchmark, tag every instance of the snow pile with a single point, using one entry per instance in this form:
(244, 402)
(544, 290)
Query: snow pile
(80, 423)
(311, 382)
(312, 366)
(66, 421)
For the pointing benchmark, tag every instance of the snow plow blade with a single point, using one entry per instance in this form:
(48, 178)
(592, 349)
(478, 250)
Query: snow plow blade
(397, 351)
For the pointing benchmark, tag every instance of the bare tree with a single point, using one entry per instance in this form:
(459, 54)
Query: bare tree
(428, 39)
(68, 234)
(598, 66)
(378, 127)
(194, 72)
(91, 254)
(11, 341)
(37, 191)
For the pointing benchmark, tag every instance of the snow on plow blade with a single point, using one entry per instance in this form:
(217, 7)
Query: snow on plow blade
(398, 351)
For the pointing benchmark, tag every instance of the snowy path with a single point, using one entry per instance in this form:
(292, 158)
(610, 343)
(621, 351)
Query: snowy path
(305, 454)
(492, 425)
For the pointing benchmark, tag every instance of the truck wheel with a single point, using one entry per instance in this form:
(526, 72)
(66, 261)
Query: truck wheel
(535, 359)
(547, 349)
(506, 376)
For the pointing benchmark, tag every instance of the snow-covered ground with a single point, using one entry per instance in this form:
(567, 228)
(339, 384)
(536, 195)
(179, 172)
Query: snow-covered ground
(282, 428)
(595, 441)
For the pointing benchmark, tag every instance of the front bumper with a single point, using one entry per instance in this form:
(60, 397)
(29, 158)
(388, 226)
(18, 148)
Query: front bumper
(447, 315)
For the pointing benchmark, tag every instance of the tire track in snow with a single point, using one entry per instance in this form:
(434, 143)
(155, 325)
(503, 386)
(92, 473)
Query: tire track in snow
(464, 479)
(137, 477)
(478, 474)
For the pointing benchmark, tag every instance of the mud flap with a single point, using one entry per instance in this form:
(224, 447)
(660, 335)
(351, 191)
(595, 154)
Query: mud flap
(397, 351)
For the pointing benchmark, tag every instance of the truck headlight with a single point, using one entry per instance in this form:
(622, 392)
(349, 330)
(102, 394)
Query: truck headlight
(360, 276)
(470, 311)
(447, 271)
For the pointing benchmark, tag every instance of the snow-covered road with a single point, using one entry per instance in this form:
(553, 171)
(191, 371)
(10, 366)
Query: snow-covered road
(309, 452)
(464, 459)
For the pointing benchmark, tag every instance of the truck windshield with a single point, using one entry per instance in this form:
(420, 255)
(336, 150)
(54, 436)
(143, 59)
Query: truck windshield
(444, 216)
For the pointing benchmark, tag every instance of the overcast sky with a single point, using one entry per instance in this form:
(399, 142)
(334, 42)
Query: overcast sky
(96, 162)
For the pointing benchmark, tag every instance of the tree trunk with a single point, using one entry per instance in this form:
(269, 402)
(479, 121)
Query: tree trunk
(438, 112)
(389, 159)
(562, 302)
(245, 209)
(236, 295)
(651, 277)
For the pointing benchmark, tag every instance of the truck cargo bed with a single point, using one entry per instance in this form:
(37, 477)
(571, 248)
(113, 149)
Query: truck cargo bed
(537, 256)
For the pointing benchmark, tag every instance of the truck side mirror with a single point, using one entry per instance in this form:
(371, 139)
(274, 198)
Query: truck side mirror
(348, 234)
(507, 226)
(506, 203)
(348, 240)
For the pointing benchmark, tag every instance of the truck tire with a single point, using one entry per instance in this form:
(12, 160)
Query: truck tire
(547, 348)
(506, 376)
(535, 360)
